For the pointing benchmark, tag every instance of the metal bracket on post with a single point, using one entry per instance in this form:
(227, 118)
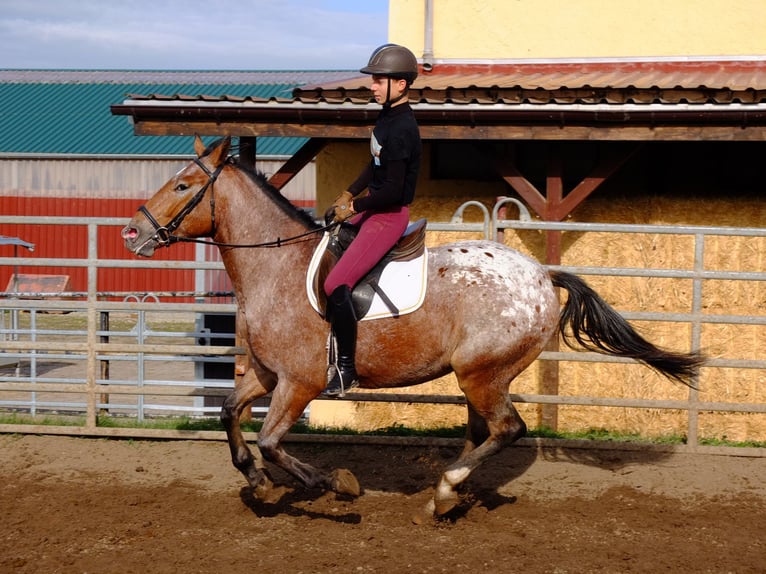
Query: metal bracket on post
(457, 218)
(501, 202)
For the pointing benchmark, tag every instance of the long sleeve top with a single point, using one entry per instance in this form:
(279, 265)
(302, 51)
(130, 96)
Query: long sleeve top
(392, 173)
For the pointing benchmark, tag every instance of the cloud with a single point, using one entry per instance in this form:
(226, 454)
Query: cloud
(191, 34)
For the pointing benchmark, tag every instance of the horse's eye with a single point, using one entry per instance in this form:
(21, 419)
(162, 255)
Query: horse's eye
(182, 187)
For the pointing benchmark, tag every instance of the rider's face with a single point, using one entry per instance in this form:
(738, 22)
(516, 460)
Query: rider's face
(380, 90)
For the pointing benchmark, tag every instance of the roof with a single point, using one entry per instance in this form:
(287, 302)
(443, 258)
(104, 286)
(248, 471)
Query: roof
(64, 112)
(666, 82)
(557, 100)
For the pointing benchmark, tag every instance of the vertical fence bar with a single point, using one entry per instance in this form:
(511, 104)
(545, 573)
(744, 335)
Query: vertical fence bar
(91, 420)
(140, 330)
(104, 363)
(33, 357)
(696, 336)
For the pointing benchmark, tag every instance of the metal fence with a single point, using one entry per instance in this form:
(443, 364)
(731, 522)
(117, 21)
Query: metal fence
(115, 361)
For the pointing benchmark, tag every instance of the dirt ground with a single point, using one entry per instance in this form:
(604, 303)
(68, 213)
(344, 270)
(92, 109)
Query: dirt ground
(98, 505)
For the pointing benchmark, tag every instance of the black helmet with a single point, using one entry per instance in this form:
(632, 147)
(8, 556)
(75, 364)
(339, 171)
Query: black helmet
(393, 61)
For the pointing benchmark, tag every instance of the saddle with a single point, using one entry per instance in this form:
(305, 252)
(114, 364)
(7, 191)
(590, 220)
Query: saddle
(410, 246)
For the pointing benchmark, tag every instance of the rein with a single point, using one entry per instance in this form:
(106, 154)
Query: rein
(278, 242)
(164, 234)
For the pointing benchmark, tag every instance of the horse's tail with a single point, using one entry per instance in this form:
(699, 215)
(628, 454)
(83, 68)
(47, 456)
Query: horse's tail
(598, 327)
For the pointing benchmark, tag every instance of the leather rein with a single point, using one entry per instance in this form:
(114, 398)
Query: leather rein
(163, 234)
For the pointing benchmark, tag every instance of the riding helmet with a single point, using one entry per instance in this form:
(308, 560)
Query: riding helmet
(394, 61)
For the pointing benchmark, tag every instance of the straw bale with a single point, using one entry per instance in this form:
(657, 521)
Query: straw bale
(645, 422)
(629, 294)
(739, 427)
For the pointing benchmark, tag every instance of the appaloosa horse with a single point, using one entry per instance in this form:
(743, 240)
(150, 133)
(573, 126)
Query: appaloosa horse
(488, 312)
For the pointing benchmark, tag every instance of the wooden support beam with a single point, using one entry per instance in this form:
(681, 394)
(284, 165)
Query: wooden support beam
(297, 162)
(555, 205)
(548, 383)
(613, 158)
(176, 127)
(554, 185)
(506, 168)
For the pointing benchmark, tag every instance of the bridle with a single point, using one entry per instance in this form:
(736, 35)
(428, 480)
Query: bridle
(163, 234)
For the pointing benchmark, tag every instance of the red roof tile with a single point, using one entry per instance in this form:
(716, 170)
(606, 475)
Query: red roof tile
(742, 81)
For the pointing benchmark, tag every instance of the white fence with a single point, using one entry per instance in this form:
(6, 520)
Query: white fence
(117, 362)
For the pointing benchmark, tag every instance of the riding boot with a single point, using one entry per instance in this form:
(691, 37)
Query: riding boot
(342, 317)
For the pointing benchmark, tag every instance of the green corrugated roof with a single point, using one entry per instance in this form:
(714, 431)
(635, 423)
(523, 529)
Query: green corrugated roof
(73, 117)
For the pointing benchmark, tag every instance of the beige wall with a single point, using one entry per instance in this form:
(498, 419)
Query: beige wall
(338, 165)
(505, 29)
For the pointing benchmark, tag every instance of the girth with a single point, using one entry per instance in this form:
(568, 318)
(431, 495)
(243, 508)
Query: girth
(410, 246)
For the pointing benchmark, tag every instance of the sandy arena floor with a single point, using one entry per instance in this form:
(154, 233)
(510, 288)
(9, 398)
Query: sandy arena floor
(97, 505)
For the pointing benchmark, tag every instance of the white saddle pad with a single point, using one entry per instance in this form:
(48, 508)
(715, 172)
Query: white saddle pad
(403, 282)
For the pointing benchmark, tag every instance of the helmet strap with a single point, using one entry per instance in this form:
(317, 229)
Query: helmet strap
(389, 102)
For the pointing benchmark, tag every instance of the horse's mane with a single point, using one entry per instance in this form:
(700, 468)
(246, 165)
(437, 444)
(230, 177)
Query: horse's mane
(274, 194)
(260, 179)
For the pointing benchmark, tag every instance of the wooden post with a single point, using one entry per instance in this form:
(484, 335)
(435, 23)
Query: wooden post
(247, 147)
(556, 206)
(549, 370)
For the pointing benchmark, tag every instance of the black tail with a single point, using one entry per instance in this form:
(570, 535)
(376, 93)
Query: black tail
(600, 328)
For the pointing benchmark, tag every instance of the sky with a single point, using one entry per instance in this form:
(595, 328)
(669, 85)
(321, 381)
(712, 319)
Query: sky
(191, 34)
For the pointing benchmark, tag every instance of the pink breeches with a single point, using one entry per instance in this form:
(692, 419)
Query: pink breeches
(378, 232)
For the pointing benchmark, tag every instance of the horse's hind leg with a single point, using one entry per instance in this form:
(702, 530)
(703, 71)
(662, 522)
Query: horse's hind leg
(249, 464)
(493, 423)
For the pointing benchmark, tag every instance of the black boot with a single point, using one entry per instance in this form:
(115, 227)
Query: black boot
(342, 317)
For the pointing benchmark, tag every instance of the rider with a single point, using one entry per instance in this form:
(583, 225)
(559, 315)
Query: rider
(381, 215)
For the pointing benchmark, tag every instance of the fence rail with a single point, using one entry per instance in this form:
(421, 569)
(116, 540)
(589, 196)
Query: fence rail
(98, 368)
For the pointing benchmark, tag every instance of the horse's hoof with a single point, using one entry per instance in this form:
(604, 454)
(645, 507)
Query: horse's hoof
(343, 481)
(263, 488)
(259, 481)
(426, 514)
(444, 504)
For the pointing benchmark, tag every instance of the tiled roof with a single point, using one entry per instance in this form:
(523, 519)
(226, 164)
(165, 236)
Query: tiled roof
(68, 111)
(665, 82)
(610, 100)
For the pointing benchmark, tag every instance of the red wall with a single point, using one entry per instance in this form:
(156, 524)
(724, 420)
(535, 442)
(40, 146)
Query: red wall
(58, 241)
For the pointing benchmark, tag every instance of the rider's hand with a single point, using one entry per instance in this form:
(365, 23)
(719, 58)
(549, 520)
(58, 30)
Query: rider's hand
(343, 207)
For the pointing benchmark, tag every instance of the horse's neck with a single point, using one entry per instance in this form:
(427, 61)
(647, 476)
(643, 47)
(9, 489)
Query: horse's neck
(248, 216)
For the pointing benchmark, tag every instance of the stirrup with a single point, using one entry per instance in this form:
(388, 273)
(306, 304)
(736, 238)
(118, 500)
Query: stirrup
(338, 382)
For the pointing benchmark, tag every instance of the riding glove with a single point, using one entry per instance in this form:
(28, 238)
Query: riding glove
(342, 207)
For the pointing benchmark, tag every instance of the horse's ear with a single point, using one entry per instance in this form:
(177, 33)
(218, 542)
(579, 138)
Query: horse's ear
(199, 147)
(221, 152)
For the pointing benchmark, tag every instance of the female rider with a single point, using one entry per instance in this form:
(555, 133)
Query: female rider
(382, 215)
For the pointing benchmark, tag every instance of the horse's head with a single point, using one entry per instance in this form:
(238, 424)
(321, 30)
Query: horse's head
(173, 211)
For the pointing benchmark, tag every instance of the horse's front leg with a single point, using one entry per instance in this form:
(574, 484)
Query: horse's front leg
(287, 405)
(249, 464)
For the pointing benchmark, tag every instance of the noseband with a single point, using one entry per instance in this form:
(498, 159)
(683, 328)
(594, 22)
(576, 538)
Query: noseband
(163, 234)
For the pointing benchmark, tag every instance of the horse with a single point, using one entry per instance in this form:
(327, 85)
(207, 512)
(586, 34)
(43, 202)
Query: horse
(488, 313)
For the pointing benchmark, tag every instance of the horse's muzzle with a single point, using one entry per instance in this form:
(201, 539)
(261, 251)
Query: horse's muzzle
(129, 233)
(133, 242)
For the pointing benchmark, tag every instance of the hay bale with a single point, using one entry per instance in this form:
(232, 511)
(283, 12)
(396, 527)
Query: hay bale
(630, 294)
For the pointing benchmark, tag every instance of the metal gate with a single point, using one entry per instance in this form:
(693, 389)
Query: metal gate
(111, 355)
